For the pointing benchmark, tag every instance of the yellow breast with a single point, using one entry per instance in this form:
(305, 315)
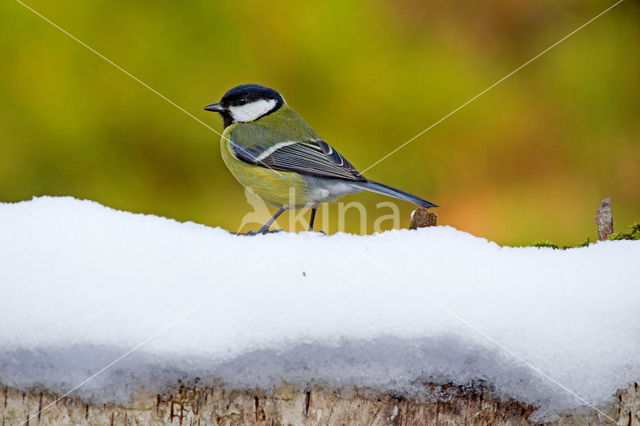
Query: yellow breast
(274, 187)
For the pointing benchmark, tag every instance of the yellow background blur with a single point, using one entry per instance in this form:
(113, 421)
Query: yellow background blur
(530, 160)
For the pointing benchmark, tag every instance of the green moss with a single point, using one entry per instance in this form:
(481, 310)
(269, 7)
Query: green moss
(544, 243)
(585, 243)
(633, 234)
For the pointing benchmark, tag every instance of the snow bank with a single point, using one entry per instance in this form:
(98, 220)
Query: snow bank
(81, 284)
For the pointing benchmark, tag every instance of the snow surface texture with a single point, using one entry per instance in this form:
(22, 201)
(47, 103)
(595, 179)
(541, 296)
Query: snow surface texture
(81, 284)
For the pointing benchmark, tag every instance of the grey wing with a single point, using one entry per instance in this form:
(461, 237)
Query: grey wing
(314, 158)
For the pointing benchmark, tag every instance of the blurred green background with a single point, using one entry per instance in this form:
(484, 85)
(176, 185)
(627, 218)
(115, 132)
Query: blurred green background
(529, 160)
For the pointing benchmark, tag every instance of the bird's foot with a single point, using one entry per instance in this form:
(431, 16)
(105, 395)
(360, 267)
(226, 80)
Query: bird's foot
(262, 231)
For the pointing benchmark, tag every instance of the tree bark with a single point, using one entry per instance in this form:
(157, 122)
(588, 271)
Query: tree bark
(422, 218)
(604, 219)
(216, 405)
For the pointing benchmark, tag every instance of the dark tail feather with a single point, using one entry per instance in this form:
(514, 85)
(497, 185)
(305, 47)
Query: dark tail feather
(392, 192)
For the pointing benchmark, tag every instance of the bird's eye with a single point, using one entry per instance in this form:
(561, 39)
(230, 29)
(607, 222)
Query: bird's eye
(242, 101)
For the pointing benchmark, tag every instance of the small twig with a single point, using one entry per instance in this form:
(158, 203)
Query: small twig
(604, 219)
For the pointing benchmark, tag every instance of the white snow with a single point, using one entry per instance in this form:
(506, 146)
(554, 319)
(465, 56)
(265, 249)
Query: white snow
(81, 284)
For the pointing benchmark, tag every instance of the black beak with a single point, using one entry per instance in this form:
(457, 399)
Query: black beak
(215, 108)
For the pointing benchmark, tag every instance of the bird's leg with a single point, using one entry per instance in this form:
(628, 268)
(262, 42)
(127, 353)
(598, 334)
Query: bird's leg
(313, 218)
(265, 227)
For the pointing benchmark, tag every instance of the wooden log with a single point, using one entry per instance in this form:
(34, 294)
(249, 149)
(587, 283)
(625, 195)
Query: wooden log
(217, 405)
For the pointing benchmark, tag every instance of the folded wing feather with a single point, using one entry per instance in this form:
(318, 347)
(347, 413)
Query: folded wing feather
(313, 157)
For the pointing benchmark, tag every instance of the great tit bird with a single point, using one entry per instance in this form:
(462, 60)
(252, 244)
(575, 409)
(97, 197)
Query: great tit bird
(270, 148)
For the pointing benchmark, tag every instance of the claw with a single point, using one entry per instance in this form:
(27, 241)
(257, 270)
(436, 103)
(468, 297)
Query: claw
(261, 232)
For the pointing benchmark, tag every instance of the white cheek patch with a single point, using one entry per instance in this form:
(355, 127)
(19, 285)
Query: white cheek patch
(252, 111)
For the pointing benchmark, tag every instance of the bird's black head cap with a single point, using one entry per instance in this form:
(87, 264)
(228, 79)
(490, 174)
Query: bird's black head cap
(246, 94)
